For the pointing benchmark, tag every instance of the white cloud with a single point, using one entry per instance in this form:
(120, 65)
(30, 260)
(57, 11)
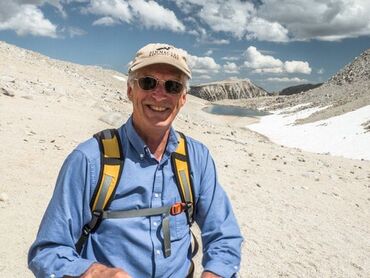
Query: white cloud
(115, 9)
(203, 77)
(203, 65)
(209, 52)
(105, 21)
(297, 66)
(256, 60)
(219, 42)
(26, 19)
(264, 30)
(323, 20)
(231, 16)
(286, 79)
(75, 31)
(148, 14)
(231, 68)
(261, 63)
(230, 58)
(282, 20)
(238, 18)
(153, 15)
(268, 70)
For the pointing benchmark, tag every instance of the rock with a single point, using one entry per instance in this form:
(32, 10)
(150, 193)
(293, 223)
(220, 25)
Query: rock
(4, 197)
(27, 97)
(6, 92)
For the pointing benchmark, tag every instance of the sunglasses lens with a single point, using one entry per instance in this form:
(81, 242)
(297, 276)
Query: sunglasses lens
(173, 87)
(147, 83)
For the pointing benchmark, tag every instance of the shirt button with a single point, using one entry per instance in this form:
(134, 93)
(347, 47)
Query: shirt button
(158, 252)
(156, 195)
(52, 276)
(155, 223)
(141, 156)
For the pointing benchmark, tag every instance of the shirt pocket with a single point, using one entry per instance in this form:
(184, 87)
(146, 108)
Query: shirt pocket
(179, 227)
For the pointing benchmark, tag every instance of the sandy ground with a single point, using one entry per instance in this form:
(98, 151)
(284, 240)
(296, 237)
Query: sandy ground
(302, 214)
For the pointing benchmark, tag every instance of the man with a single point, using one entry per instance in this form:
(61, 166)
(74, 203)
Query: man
(133, 247)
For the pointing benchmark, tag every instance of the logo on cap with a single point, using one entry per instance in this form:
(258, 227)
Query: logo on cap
(165, 52)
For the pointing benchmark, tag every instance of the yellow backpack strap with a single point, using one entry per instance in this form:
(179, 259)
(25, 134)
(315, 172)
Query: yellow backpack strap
(111, 160)
(181, 168)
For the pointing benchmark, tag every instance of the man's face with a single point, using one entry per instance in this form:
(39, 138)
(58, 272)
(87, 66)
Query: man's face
(156, 109)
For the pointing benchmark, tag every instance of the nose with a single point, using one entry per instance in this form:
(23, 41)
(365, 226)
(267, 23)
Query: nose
(159, 92)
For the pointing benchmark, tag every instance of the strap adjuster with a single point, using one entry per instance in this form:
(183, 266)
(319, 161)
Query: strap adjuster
(178, 208)
(96, 217)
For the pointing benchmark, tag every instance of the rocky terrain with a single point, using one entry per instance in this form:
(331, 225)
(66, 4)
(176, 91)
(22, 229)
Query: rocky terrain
(228, 89)
(36, 76)
(302, 214)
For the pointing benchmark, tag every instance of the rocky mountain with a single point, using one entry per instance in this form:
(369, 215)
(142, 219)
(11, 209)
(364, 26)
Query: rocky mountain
(228, 89)
(358, 70)
(298, 89)
(347, 90)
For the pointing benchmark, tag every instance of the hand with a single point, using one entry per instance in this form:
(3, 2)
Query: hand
(207, 274)
(101, 271)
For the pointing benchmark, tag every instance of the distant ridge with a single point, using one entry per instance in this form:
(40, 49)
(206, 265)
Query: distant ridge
(298, 89)
(228, 89)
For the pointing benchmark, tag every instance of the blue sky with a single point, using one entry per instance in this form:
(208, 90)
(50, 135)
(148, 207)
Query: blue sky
(274, 43)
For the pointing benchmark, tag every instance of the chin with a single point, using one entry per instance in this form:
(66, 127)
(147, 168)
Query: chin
(162, 124)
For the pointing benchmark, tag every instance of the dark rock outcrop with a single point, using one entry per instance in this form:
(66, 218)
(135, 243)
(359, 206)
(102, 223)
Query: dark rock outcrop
(298, 89)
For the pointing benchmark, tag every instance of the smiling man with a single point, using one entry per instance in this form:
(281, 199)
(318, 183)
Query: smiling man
(125, 200)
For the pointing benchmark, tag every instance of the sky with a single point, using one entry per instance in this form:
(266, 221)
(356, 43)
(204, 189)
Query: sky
(274, 43)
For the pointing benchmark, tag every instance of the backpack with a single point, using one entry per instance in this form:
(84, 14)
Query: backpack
(112, 162)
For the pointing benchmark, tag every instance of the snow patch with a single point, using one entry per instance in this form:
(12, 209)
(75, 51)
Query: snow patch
(341, 135)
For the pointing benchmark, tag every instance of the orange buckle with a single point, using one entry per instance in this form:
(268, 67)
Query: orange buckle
(177, 208)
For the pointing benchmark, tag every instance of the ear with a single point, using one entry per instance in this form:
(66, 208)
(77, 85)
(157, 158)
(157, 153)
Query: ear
(183, 98)
(129, 91)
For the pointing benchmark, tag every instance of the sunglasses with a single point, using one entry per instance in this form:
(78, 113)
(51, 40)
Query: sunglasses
(149, 83)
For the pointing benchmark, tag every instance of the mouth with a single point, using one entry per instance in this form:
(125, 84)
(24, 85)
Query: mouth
(157, 108)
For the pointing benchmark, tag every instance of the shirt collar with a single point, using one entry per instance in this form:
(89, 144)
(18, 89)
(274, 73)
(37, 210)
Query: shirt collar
(140, 146)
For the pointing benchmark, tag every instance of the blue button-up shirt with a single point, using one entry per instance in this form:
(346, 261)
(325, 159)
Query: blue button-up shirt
(135, 244)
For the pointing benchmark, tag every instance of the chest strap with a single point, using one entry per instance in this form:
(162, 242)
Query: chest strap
(165, 212)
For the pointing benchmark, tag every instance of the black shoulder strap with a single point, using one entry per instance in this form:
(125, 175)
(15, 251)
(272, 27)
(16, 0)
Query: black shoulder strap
(181, 167)
(111, 160)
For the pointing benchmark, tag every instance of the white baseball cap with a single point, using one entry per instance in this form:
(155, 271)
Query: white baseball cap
(160, 53)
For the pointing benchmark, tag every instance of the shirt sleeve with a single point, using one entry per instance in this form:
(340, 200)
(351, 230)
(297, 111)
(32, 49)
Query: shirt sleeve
(53, 253)
(221, 236)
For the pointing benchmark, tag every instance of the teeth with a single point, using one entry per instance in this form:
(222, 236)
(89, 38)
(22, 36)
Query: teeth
(157, 108)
